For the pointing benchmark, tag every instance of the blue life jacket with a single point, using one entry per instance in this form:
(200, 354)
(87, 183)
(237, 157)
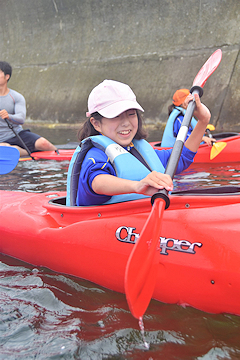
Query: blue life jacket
(168, 139)
(125, 165)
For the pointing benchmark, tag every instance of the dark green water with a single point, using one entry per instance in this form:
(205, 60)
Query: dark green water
(46, 315)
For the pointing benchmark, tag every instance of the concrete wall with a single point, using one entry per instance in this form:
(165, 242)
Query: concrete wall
(61, 49)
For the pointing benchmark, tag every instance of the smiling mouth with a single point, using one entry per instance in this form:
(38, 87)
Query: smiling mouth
(125, 132)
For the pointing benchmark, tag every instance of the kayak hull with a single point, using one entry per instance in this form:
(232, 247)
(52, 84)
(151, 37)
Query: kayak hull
(230, 153)
(199, 247)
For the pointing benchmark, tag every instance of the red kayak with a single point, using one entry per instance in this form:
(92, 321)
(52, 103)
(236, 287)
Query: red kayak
(198, 253)
(63, 154)
(231, 153)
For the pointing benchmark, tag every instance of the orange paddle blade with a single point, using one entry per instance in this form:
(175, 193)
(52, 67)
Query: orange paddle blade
(208, 68)
(216, 149)
(141, 271)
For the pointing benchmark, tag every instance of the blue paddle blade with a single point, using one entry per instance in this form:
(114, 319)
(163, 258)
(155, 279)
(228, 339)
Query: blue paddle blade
(9, 157)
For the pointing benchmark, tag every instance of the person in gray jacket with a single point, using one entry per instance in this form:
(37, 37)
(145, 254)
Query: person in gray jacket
(13, 115)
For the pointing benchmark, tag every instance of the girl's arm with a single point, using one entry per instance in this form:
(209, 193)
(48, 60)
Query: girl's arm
(203, 115)
(112, 185)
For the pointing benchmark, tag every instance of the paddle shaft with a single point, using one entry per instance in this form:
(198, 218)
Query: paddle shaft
(19, 137)
(141, 270)
(23, 143)
(178, 146)
(210, 135)
(139, 285)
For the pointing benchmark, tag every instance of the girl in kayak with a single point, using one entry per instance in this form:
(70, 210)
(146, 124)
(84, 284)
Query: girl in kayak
(176, 112)
(114, 162)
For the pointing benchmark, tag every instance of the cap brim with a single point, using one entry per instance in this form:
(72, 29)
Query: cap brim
(118, 108)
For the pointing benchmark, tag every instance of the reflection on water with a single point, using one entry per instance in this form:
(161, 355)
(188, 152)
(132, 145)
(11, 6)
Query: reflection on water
(46, 315)
(36, 176)
(207, 175)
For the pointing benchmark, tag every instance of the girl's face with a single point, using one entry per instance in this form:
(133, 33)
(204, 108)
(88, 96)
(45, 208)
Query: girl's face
(120, 129)
(184, 105)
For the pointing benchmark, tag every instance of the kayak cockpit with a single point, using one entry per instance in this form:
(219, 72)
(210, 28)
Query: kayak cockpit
(195, 198)
(217, 191)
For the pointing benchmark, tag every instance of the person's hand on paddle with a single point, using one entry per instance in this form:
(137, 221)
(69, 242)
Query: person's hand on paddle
(154, 182)
(4, 114)
(209, 141)
(203, 115)
(201, 112)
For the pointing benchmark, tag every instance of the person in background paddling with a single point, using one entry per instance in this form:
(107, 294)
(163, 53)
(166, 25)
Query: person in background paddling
(114, 160)
(176, 112)
(13, 108)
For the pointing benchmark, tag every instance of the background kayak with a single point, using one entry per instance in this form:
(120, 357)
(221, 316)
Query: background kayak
(230, 153)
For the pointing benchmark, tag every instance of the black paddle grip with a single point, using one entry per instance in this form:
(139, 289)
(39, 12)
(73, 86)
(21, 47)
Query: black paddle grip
(163, 194)
(198, 88)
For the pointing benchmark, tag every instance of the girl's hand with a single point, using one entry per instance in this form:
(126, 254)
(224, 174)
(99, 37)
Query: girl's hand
(208, 140)
(203, 115)
(201, 112)
(153, 182)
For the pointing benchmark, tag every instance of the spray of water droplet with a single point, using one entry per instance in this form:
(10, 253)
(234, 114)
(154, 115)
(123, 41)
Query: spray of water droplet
(141, 325)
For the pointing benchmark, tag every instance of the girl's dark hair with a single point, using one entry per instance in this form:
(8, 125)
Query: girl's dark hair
(170, 108)
(88, 130)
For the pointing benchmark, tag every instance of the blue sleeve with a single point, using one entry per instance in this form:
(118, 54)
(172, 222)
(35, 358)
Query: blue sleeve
(95, 163)
(186, 158)
(177, 124)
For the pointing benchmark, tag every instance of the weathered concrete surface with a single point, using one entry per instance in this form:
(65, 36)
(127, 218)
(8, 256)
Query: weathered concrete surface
(61, 49)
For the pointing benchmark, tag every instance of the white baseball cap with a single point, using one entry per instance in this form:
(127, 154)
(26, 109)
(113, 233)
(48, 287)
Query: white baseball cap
(111, 98)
